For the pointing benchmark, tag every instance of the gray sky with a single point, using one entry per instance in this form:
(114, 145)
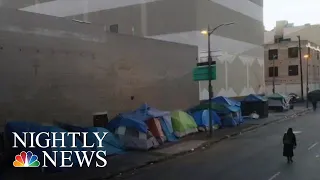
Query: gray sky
(298, 12)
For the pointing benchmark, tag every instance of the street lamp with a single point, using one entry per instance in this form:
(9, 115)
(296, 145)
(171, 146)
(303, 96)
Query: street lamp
(208, 32)
(301, 72)
(307, 57)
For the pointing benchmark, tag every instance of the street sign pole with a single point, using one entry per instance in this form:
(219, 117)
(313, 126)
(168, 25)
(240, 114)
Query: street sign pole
(210, 85)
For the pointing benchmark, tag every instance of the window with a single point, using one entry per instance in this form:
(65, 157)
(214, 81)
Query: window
(293, 52)
(114, 28)
(271, 71)
(293, 70)
(318, 57)
(273, 54)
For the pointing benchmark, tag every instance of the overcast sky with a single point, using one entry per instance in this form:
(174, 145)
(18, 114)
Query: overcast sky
(298, 12)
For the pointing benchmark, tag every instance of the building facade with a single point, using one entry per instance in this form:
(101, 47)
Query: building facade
(238, 49)
(57, 69)
(282, 54)
(284, 58)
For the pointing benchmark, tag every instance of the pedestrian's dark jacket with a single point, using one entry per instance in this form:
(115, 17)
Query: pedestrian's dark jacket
(289, 139)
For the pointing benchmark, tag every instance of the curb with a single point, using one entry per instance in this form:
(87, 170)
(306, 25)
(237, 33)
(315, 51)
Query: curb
(203, 146)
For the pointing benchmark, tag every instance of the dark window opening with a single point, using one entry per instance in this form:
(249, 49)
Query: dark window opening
(273, 54)
(318, 56)
(114, 28)
(293, 70)
(271, 71)
(293, 52)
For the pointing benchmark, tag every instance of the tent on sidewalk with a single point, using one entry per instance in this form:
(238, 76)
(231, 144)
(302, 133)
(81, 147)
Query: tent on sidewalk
(110, 143)
(278, 102)
(155, 128)
(183, 124)
(201, 117)
(254, 103)
(164, 117)
(132, 131)
(228, 114)
(146, 118)
(233, 106)
(134, 139)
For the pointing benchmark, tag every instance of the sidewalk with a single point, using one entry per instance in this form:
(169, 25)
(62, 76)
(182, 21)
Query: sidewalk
(131, 161)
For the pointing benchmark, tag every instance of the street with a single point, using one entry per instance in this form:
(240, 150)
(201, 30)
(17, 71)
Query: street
(256, 155)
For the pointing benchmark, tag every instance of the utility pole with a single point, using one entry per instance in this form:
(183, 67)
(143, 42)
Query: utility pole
(301, 73)
(308, 59)
(273, 74)
(209, 32)
(210, 84)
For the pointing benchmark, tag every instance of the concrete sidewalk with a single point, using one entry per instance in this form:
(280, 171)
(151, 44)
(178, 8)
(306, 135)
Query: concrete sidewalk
(128, 163)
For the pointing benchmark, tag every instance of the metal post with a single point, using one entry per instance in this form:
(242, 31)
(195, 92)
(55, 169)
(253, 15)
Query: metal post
(273, 76)
(308, 75)
(301, 72)
(210, 85)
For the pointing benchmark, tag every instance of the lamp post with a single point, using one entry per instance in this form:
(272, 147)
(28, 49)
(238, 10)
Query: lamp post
(274, 74)
(307, 57)
(209, 32)
(301, 73)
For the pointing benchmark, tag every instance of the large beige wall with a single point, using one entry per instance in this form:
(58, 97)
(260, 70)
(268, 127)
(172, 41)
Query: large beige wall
(55, 76)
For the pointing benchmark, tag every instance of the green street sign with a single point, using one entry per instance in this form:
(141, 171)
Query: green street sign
(202, 73)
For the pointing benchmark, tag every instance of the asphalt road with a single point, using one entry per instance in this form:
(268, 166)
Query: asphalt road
(255, 155)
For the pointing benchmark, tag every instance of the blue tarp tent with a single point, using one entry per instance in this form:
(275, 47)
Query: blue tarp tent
(234, 117)
(225, 100)
(110, 143)
(20, 127)
(202, 118)
(137, 119)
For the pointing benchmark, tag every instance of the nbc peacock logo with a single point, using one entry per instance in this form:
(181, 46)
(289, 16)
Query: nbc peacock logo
(26, 160)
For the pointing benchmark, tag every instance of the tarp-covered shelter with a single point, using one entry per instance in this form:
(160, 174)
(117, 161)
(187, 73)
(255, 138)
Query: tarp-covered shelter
(20, 127)
(234, 106)
(146, 118)
(135, 139)
(183, 124)
(201, 117)
(110, 143)
(255, 104)
(230, 115)
(279, 102)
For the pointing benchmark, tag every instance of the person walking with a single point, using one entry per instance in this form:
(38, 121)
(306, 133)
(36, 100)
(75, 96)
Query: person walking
(314, 105)
(289, 143)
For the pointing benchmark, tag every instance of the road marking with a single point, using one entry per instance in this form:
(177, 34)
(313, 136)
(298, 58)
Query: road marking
(313, 145)
(297, 132)
(274, 176)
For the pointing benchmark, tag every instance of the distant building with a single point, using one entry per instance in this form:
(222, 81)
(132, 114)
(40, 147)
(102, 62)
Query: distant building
(282, 49)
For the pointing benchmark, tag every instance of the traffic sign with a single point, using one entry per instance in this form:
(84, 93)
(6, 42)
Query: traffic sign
(202, 73)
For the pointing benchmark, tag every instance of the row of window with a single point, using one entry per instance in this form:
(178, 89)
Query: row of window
(293, 70)
(293, 52)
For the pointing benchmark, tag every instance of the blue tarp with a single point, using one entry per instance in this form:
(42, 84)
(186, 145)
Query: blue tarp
(234, 107)
(229, 121)
(110, 143)
(20, 127)
(225, 100)
(136, 119)
(253, 98)
(202, 118)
